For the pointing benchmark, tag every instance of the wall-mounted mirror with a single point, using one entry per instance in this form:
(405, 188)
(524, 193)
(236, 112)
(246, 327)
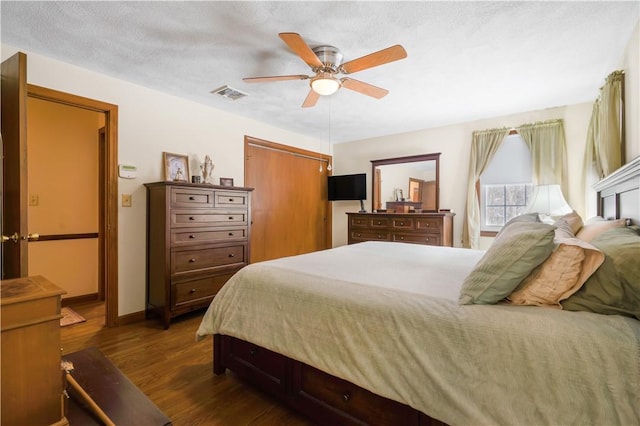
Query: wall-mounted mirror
(406, 183)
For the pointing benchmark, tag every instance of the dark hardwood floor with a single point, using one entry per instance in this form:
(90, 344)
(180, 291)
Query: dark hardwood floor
(175, 371)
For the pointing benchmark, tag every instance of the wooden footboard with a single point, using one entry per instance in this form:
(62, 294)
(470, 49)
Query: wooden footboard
(323, 398)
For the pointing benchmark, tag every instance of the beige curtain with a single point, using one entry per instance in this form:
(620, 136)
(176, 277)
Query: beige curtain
(605, 143)
(548, 152)
(484, 145)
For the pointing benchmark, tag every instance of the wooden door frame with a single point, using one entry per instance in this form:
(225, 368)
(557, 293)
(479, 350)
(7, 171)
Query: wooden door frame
(108, 154)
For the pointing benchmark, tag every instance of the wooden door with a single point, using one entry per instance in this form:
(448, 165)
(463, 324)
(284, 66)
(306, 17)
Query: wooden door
(290, 211)
(14, 176)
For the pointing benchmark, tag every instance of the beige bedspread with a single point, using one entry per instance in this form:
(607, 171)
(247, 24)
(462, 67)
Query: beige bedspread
(385, 317)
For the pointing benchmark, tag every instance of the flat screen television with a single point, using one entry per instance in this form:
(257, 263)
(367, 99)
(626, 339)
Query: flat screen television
(348, 187)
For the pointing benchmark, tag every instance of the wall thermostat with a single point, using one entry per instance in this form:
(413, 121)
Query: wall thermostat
(127, 171)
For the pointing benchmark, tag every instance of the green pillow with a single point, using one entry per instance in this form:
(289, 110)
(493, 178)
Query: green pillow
(516, 251)
(527, 217)
(614, 289)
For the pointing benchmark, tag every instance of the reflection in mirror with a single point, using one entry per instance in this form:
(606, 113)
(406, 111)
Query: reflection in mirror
(406, 184)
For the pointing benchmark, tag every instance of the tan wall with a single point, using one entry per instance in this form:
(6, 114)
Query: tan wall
(63, 175)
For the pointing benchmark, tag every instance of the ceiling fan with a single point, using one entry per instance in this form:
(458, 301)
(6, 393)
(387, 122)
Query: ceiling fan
(326, 63)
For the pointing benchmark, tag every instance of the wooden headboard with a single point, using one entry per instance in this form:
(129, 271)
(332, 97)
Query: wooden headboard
(619, 193)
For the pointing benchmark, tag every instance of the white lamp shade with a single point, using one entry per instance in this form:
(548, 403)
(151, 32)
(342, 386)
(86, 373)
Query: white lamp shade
(325, 84)
(548, 201)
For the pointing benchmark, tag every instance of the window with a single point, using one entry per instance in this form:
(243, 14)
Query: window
(506, 185)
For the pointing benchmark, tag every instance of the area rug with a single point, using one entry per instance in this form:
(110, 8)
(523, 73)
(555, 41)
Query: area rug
(70, 317)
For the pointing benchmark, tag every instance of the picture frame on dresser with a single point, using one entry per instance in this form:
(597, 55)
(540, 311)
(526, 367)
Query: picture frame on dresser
(176, 167)
(226, 181)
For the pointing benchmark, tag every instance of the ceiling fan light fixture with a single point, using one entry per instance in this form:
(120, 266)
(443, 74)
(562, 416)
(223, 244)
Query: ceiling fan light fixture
(325, 84)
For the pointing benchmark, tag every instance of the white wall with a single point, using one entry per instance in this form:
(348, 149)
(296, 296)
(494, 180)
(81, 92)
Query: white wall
(150, 122)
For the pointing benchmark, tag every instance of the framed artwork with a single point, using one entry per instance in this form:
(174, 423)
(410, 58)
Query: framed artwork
(176, 167)
(226, 181)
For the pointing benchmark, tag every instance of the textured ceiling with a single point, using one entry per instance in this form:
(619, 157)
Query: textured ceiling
(466, 60)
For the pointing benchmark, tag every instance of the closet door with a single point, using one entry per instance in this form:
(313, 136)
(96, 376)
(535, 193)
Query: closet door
(290, 211)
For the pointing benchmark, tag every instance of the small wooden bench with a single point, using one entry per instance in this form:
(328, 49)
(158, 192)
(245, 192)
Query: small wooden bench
(112, 391)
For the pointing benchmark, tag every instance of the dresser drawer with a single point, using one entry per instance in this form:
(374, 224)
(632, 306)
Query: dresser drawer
(267, 368)
(429, 224)
(181, 236)
(370, 235)
(231, 199)
(191, 197)
(196, 290)
(216, 257)
(423, 238)
(354, 401)
(359, 222)
(196, 218)
(402, 223)
(379, 222)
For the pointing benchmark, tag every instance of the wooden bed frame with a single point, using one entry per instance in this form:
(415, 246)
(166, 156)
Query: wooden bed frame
(328, 400)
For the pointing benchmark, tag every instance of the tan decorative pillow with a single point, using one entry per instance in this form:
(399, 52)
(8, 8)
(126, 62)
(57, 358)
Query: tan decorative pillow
(562, 274)
(574, 220)
(596, 226)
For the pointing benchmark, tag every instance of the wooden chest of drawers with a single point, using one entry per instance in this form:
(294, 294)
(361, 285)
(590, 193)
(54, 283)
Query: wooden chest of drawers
(197, 238)
(435, 229)
(32, 387)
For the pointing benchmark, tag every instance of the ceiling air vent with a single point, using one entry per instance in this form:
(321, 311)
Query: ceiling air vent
(229, 93)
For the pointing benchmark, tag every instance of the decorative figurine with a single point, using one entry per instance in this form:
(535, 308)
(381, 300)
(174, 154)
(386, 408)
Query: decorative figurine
(179, 176)
(207, 170)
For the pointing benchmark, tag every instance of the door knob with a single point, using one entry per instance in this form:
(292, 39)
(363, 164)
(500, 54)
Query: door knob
(15, 237)
(35, 236)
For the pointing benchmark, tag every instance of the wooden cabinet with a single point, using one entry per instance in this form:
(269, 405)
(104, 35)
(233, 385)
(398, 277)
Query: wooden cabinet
(197, 238)
(435, 229)
(32, 390)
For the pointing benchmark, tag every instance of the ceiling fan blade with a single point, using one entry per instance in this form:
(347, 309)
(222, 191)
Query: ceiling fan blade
(311, 99)
(301, 48)
(364, 88)
(275, 78)
(371, 60)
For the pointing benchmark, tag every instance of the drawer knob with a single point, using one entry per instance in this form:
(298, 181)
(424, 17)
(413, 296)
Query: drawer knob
(401, 223)
(231, 255)
(192, 260)
(230, 217)
(402, 238)
(192, 198)
(379, 236)
(231, 200)
(427, 239)
(231, 234)
(193, 290)
(192, 218)
(378, 223)
(427, 225)
(346, 397)
(192, 236)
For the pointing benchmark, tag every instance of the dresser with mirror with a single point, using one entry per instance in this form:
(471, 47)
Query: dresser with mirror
(405, 205)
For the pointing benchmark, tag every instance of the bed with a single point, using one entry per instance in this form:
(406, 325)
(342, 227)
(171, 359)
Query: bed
(374, 333)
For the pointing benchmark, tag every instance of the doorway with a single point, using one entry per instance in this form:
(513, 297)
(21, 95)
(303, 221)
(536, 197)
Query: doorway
(63, 180)
(15, 94)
